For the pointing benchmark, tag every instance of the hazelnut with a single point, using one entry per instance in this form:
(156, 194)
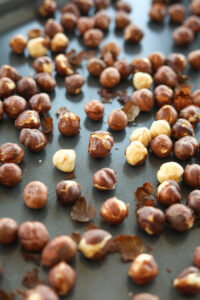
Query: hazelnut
(111, 47)
(160, 127)
(167, 76)
(37, 47)
(1, 110)
(145, 296)
(157, 60)
(71, 7)
(45, 81)
(163, 95)
(170, 171)
(14, 106)
(169, 193)
(142, 135)
(117, 120)
(142, 65)
(69, 124)
(84, 24)
(9, 72)
(59, 42)
(122, 5)
(177, 13)
(183, 36)
(41, 292)
(85, 5)
(194, 59)
(95, 243)
(68, 21)
(7, 87)
(41, 103)
(142, 80)
(94, 110)
(162, 145)
(196, 259)
(62, 278)
(124, 68)
(193, 22)
(28, 119)
(191, 175)
(195, 7)
(136, 154)
(47, 8)
(101, 4)
(157, 12)
(105, 179)
(193, 201)
(100, 144)
(133, 34)
(62, 65)
(93, 37)
(8, 231)
(61, 248)
(182, 128)
(51, 27)
(114, 211)
(18, 43)
(33, 236)
(26, 87)
(122, 19)
(43, 64)
(167, 113)
(11, 153)
(102, 20)
(179, 217)
(74, 83)
(188, 281)
(186, 148)
(10, 174)
(177, 61)
(35, 194)
(110, 77)
(33, 139)
(95, 66)
(68, 191)
(143, 269)
(143, 99)
(150, 219)
(196, 97)
(34, 33)
(64, 160)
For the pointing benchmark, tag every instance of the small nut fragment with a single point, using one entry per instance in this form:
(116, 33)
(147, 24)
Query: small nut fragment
(28, 119)
(122, 19)
(117, 120)
(94, 110)
(167, 113)
(193, 22)
(41, 103)
(43, 64)
(68, 21)
(10, 174)
(45, 81)
(160, 127)
(142, 80)
(102, 20)
(18, 43)
(170, 171)
(64, 160)
(35, 194)
(51, 27)
(143, 99)
(150, 219)
(69, 124)
(186, 148)
(84, 24)
(59, 42)
(9, 72)
(33, 139)
(167, 76)
(110, 77)
(11, 153)
(179, 217)
(105, 179)
(157, 12)
(74, 83)
(163, 95)
(95, 66)
(188, 281)
(136, 154)
(133, 34)
(191, 175)
(7, 87)
(183, 36)
(142, 135)
(68, 191)
(194, 59)
(157, 60)
(100, 144)
(177, 61)
(193, 201)
(37, 47)
(177, 13)
(40, 292)
(145, 296)
(8, 231)
(162, 145)
(14, 106)
(62, 65)
(93, 37)
(114, 211)
(182, 128)
(196, 259)
(169, 192)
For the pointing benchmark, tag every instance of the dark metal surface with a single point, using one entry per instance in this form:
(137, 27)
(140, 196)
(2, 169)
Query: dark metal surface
(108, 280)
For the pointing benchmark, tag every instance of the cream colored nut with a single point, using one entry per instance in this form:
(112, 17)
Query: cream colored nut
(64, 160)
(170, 171)
(160, 127)
(37, 47)
(136, 153)
(141, 135)
(59, 42)
(34, 296)
(142, 80)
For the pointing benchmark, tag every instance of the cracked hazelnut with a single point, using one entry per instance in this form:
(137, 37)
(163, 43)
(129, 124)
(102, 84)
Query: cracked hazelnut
(1, 110)
(194, 59)
(94, 110)
(62, 65)
(160, 127)
(95, 66)
(101, 4)
(26, 87)
(105, 179)
(196, 259)
(64, 160)
(114, 211)
(9, 72)
(179, 217)
(35, 194)
(84, 24)
(111, 47)
(93, 37)
(28, 119)
(150, 219)
(195, 7)
(188, 281)
(47, 8)
(167, 113)
(177, 61)
(117, 120)
(110, 77)
(167, 76)
(72, 8)
(157, 60)
(68, 191)
(68, 21)
(95, 243)
(11, 153)
(133, 34)
(136, 154)
(8, 231)
(102, 20)
(142, 80)
(124, 68)
(144, 99)
(85, 5)
(186, 148)
(142, 65)
(162, 145)
(145, 296)
(69, 124)
(170, 171)
(33, 139)
(100, 144)
(43, 64)
(7, 87)
(169, 193)
(142, 135)
(177, 13)
(41, 103)
(157, 12)
(51, 27)
(34, 33)
(122, 5)
(193, 22)
(196, 97)
(37, 47)
(143, 269)
(122, 19)
(18, 43)
(163, 95)
(182, 128)
(59, 42)
(74, 83)
(41, 292)
(193, 201)
(183, 36)
(45, 81)
(14, 105)
(191, 175)
(10, 174)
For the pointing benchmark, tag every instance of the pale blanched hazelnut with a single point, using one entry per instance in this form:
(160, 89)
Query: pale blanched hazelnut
(142, 80)
(64, 160)
(170, 171)
(141, 135)
(37, 47)
(136, 153)
(160, 127)
(59, 42)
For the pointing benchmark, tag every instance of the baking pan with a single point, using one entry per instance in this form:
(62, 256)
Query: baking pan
(108, 280)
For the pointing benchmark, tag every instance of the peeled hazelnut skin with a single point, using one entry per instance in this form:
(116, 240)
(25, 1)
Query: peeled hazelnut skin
(124, 68)
(11, 153)
(47, 8)
(69, 124)
(145, 296)
(193, 201)
(110, 77)
(51, 27)
(59, 42)
(74, 84)
(177, 61)
(10, 174)
(191, 175)
(28, 119)
(68, 192)
(143, 269)
(112, 47)
(9, 72)
(114, 211)
(18, 43)
(117, 120)
(193, 22)
(194, 59)
(45, 81)
(179, 217)
(150, 219)
(160, 127)
(102, 20)
(177, 13)
(122, 19)
(95, 66)
(1, 110)
(105, 179)
(123, 6)
(196, 97)
(182, 128)
(142, 80)
(162, 145)
(100, 144)
(26, 87)
(61, 248)
(41, 291)
(84, 24)
(136, 154)
(94, 110)
(183, 36)
(142, 135)
(68, 21)
(35, 194)
(157, 60)
(167, 113)
(43, 64)
(196, 259)
(170, 171)
(33, 139)
(41, 103)
(93, 37)
(142, 65)
(167, 76)
(62, 65)
(188, 281)
(157, 12)
(95, 243)
(64, 160)
(7, 87)
(169, 193)
(14, 106)
(8, 231)
(38, 47)
(186, 148)
(133, 34)
(143, 99)
(33, 236)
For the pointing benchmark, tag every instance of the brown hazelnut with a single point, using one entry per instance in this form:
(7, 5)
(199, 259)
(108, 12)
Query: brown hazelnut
(167, 76)
(133, 34)
(1, 110)
(74, 83)
(162, 145)
(142, 65)
(186, 148)
(101, 4)
(122, 19)
(157, 12)
(38, 47)
(100, 144)
(42, 292)
(105, 179)
(167, 113)
(35, 194)
(68, 191)
(84, 24)
(14, 106)
(150, 219)
(136, 153)
(85, 5)
(47, 8)
(45, 81)
(124, 68)
(51, 27)
(123, 5)
(95, 243)
(95, 66)
(94, 110)
(10, 174)
(43, 64)
(179, 217)
(194, 59)
(102, 20)
(143, 99)
(145, 296)
(59, 42)
(68, 21)
(183, 36)
(33, 139)
(188, 281)
(69, 124)
(169, 193)
(191, 113)
(114, 211)
(177, 61)
(62, 278)
(196, 259)
(9, 72)
(117, 120)
(191, 175)
(26, 87)
(157, 60)
(109, 59)
(33, 236)
(18, 43)
(7, 87)
(193, 201)
(195, 7)
(110, 77)
(62, 65)
(28, 119)
(8, 231)
(34, 33)
(196, 97)
(193, 22)
(182, 128)
(163, 95)
(41, 103)
(177, 13)
(111, 47)
(170, 171)
(71, 7)
(11, 153)
(93, 37)
(61, 248)
(143, 269)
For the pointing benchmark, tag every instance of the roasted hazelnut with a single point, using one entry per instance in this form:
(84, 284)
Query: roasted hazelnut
(142, 80)
(186, 148)
(68, 191)
(183, 36)
(62, 65)
(169, 193)
(35, 194)
(167, 76)
(110, 77)
(195, 7)
(68, 21)
(142, 135)
(74, 83)
(177, 13)
(188, 281)
(182, 128)
(11, 153)
(26, 87)
(150, 219)
(191, 175)
(123, 5)
(94, 110)
(100, 144)
(69, 124)
(18, 43)
(33, 139)
(193, 201)
(1, 110)
(95, 66)
(101, 4)
(42, 292)
(95, 243)
(59, 42)
(9, 72)
(133, 34)
(160, 127)
(196, 259)
(196, 97)
(71, 7)
(144, 99)
(62, 278)
(51, 27)
(179, 217)
(45, 81)
(61, 248)
(163, 95)
(47, 8)
(191, 113)
(142, 65)
(170, 171)
(105, 179)
(7, 87)
(177, 61)
(194, 59)
(193, 22)
(157, 12)
(64, 160)
(28, 119)
(117, 120)
(122, 19)
(109, 59)
(143, 269)
(33, 236)
(93, 37)
(102, 20)
(114, 211)
(112, 47)
(136, 154)
(145, 296)
(167, 113)
(43, 64)
(8, 231)
(10, 174)
(34, 33)
(37, 47)
(85, 5)
(41, 103)
(84, 24)
(14, 106)
(162, 145)
(157, 60)
(124, 68)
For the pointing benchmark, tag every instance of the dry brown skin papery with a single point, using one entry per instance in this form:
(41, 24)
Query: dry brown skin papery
(31, 279)
(32, 257)
(47, 125)
(61, 110)
(6, 296)
(81, 213)
(106, 95)
(142, 195)
(131, 110)
(182, 96)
